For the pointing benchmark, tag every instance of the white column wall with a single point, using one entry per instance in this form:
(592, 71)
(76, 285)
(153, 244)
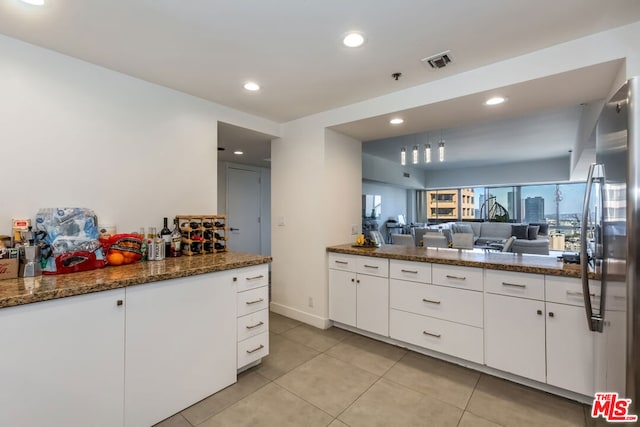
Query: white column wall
(75, 134)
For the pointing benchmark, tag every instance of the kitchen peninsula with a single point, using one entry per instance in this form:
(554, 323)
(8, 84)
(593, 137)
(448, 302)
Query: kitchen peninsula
(129, 345)
(519, 317)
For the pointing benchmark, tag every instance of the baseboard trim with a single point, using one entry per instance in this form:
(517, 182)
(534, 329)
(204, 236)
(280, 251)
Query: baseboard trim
(301, 316)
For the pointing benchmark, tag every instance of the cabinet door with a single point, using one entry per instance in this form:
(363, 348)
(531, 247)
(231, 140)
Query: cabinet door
(610, 353)
(62, 362)
(342, 297)
(181, 344)
(373, 304)
(515, 336)
(570, 349)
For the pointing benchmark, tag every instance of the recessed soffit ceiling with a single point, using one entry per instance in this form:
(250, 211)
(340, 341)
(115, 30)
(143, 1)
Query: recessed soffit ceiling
(292, 48)
(540, 120)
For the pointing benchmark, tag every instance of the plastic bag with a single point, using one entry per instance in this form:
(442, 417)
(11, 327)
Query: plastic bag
(72, 235)
(122, 248)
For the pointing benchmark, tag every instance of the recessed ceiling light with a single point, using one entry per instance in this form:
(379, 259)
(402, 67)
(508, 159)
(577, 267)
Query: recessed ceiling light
(34, 2)
(495, 100)
(252, 86)
(238, 153)
(396, 121)
(353, 39)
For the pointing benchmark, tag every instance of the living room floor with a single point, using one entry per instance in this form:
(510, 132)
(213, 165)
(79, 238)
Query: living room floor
(335, 378)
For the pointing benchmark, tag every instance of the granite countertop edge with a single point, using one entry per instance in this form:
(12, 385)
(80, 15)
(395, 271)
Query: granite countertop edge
(20, 291)
(490, 260)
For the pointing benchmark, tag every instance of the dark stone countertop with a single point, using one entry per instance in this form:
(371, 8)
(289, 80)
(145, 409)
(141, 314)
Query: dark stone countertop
(538, 264)
(27, 290)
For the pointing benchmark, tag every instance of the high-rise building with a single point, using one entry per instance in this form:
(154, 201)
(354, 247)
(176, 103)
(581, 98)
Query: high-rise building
(444, 204)
(534, 209)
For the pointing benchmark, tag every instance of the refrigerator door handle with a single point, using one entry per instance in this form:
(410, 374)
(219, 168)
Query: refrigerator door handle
(595, 322)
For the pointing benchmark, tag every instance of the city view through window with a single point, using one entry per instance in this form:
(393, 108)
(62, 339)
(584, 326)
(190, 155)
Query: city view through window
(559, 205)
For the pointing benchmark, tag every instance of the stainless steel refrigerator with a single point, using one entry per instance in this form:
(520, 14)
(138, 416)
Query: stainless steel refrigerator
(611, 240)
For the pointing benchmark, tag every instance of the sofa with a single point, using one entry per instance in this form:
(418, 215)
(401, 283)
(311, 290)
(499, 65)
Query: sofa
(530, 238)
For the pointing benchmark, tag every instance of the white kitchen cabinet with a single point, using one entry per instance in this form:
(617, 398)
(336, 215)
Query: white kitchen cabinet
(611, 355)
(342, 297)
(514, 335)
(450, 338)
(181, 344)
(372, 304)
(62, 362)
(358, 299)
(253, 315)
(570, 349)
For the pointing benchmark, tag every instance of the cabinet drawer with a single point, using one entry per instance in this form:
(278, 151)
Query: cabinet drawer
(373, 266)
(408, 270)
(457, 276)
(456, 305)
(465, 342)
(252, 277)
(568, 290)
(253, 349)
(253, 300)
(253, 324)
(342, 262)
(524, 285)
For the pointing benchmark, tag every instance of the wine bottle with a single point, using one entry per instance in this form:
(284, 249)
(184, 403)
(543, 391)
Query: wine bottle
(165, 234)
(176, 239)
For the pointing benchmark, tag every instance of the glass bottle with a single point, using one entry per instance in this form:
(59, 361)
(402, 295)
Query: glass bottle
(165, 234)
(176, 239)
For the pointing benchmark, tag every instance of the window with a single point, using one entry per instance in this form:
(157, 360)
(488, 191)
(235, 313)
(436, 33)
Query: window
(559, 205)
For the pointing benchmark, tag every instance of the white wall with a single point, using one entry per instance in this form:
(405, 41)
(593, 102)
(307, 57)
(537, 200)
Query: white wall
(534, 172)
(75, 134)
(394, 201)
(383, 170)
(316, 192)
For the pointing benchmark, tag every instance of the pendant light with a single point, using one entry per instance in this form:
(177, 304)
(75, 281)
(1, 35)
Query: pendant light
(403, 156)
(414, 155)
(441, 148)
(427, 151)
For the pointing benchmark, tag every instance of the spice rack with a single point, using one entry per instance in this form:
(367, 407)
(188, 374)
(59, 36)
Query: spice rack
(203, 234)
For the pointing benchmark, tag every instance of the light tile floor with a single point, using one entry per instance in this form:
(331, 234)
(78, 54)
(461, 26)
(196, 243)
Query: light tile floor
(336, 378)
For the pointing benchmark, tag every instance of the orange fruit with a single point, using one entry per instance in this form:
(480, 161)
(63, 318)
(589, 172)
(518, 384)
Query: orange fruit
(115, 258)
(129, 257)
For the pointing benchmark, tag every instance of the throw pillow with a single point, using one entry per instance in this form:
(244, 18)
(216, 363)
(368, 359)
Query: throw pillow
(532, 232)
(520, 231)
(544, 228)
(462, 228)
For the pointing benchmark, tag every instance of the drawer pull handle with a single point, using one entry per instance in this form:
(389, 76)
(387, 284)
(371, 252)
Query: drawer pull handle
(580, 294)
(341, 262)
(430, 301)
(431, 335)
(410, 271)
(255, 277)
(371, 266)
(255, 301)
(260, 347)
(456, 277)
(255, 326)
(515, 285)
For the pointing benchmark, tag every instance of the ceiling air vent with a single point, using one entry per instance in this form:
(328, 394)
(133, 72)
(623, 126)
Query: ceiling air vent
(437, 61)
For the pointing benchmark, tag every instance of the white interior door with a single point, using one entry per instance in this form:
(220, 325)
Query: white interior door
(243, 210)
